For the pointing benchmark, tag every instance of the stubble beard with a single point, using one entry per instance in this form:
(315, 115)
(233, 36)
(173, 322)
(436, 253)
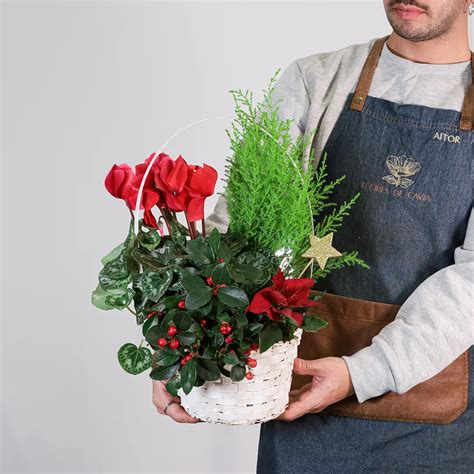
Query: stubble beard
(433, 30)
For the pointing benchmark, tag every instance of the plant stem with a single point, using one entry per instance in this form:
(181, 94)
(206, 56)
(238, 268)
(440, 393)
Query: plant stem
(190, 226)
(203, 227)
(131, 310)
(166, 220)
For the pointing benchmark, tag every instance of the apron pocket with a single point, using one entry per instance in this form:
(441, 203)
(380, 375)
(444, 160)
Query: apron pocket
(352, 325)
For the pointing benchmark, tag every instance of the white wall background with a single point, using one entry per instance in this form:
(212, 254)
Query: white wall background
(86, 85)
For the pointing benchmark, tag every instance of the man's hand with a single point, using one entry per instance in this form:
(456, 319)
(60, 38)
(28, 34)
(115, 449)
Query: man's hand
(161, 398)
(331, 383)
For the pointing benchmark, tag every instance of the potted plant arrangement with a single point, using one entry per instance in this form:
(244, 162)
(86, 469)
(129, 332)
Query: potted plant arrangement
(222, 313)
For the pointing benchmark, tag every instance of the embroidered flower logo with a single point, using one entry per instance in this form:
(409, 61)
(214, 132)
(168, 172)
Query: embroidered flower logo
(401, 167)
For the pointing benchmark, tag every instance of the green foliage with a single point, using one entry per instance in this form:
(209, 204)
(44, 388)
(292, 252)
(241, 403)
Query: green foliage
(267, 189)
(133, 359)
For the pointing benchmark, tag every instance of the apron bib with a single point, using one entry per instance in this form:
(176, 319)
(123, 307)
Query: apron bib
(413, 167)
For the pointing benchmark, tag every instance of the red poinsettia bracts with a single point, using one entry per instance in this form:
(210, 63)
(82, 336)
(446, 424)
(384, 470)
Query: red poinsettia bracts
(283, 297)
(173, 185)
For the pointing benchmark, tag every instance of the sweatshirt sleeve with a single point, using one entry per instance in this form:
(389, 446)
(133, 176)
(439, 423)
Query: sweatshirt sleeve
(432, 328)
(291, 95)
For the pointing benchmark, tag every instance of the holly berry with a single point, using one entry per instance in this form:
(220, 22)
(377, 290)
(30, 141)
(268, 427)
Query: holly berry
(214, 291)
(220, 260)
(172, 330)
(210, 281)
(181, 304)
(249, 376)
(162, 342)
(225, 328)
(203, 322)
(149, 315)
(183, 361)
(188, 357)
(247, 352)
(252, 363)
(228, 339)
(254, 346)
(174, 343)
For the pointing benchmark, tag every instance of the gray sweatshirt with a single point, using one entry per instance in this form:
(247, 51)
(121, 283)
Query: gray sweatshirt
(436, 323)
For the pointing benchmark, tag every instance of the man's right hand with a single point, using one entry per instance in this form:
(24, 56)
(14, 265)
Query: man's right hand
(161, 398)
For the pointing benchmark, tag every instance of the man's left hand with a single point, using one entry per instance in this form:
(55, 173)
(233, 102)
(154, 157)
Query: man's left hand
(331, 383)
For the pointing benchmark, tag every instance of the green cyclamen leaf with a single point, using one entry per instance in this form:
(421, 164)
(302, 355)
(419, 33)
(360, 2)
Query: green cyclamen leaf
(133, 359)
(118, 298)
(233, 296)
(269, 335)
(154, 285)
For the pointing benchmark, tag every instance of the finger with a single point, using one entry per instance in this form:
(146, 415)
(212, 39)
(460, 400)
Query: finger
(298, 407)
(297, 391)
(303, 367)
(179, 414)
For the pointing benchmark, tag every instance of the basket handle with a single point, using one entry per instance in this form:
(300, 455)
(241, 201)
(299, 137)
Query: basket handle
(172, 137)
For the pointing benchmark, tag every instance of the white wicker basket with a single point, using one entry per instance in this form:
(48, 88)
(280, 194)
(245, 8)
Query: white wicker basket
(249, 401)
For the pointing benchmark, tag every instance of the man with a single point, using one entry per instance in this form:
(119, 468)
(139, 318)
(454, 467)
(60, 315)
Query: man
(395, 116)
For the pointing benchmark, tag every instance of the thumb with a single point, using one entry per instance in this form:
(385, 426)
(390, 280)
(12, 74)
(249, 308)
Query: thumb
(303, 367)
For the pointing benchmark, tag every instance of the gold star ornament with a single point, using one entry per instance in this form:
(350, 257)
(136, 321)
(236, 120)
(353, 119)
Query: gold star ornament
(321, 249)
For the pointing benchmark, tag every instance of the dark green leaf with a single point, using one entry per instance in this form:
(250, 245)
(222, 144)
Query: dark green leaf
(133, 359)
(233, 296)
(218, 339)
(237, 373)
(220, 274)
(231, 358)
(190, 282)
(254, 328)
(213, 240)
(182, 320)
(269, 335)
(149, 323)
(208, 370)
(199, 251)
(224, 252)
(209, 352)
(163, 373)
(164, 358)
(173, 385)
(188, 376)
(198, 297)
(186, 338)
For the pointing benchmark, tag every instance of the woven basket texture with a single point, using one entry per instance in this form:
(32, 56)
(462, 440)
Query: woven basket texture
(247, 402)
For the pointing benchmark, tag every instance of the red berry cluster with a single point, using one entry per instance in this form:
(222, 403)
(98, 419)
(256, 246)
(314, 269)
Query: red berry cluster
(173, 343)
(186, 358)
(225, 328)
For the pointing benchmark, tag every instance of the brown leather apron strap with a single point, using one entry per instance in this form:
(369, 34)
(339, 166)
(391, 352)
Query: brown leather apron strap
(467, 114)
(367, 74)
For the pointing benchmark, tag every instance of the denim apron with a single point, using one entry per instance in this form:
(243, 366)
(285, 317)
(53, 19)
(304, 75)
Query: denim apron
(413, 167)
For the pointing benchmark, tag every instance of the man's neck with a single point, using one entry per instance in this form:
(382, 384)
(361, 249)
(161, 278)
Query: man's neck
(455, 49)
